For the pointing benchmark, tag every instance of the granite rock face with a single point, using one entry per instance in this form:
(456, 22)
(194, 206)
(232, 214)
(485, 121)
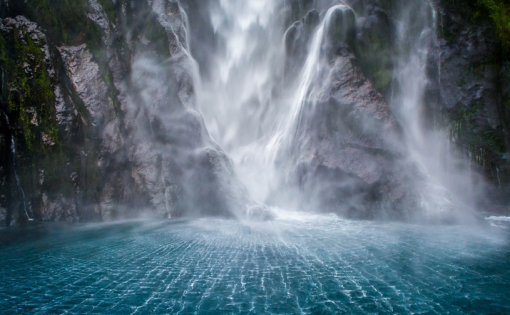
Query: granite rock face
(100, 122)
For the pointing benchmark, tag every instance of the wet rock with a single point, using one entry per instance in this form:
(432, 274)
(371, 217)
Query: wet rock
(131, 137)
(98, 15)
(297, 39)
(375, 47)
(340, 26)
(59, 209)
(298, 8)
(347, 149)
(259, 213)
(30, 89)
(467, 93)
(88, 83)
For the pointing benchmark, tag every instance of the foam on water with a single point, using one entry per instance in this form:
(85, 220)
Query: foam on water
(501, 218)
(499, 221)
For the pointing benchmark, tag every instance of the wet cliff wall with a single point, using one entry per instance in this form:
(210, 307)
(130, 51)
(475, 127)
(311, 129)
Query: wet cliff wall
(467, 93)
(98, 115)
(99, 121)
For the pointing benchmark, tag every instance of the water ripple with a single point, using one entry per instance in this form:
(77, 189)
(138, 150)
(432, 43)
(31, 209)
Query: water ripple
(299, 264)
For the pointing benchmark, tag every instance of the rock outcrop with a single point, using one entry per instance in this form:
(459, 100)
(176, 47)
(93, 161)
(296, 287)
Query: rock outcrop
(469, 95)
(346, 148)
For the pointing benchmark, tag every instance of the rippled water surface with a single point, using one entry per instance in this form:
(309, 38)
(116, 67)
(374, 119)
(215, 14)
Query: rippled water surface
(295, 265)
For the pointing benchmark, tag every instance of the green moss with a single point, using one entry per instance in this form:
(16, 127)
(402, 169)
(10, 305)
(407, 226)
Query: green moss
(376, 62)
(496, 12)
(65, 21)
(499, 12)
(157, 36)
(483, 144)
(29, 102)
(109, 8)
(3, 50)
(30, 85)
(494, 141)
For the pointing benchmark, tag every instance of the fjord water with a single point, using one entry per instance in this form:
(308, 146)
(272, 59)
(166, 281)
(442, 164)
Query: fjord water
(297, 264)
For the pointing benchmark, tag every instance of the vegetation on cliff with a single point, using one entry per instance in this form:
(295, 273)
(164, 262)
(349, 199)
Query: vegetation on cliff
(499, 12)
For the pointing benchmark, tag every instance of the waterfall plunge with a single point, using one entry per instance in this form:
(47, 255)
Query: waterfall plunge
(251, 112)
(246, 108)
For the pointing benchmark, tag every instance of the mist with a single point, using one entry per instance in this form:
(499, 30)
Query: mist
(305, 127)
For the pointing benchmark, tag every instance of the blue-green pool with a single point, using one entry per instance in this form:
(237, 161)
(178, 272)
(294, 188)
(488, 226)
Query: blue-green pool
(297, 264)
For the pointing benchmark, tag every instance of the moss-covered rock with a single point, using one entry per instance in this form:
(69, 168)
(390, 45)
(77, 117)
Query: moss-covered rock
(479, 12)
(93, 141)
(470, 94)
(375, 47)
(28, 101)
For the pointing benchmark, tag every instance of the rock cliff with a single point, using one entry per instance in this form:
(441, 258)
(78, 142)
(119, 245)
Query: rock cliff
(99, 118)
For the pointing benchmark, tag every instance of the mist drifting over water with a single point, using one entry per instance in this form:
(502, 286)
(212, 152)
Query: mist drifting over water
(299, 263)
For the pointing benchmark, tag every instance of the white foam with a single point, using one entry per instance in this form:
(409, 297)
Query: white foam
(498, 218)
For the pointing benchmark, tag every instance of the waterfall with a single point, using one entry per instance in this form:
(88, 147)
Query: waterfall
(18, 181)
(445, 188)
(240, 107)
(281, 140)
(235, 100)
(256, 118)
(238, 100)
(307, 92)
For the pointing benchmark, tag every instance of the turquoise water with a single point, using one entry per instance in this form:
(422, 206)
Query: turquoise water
(298, 264)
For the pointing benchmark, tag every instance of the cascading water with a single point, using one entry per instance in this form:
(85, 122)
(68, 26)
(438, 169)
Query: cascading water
(310, 89)
(246, 106)
(305, 92)
(238, 100)
(254, 113)
(448, 185)
(235, 101)
(18, 181)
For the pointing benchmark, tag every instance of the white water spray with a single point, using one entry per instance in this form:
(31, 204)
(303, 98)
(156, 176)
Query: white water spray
(308, 92)
(257, 126)
(445, 187)
(247, 110)
(238, 102)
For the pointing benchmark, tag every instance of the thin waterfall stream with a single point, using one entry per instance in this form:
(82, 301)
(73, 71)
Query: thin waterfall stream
(18, 181)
